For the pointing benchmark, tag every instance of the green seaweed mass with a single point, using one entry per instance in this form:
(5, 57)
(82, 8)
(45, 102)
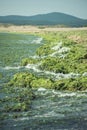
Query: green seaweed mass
(17, 94)
(56, 65)
(30, 81)
(78, 84)
(74, 61)
(17, 100)
(22, 79)
(26, 61)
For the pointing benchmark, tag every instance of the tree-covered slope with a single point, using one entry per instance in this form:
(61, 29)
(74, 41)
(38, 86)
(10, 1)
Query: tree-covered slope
(54, 18)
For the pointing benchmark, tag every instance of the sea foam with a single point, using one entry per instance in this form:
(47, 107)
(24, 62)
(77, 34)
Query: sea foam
(37, 41)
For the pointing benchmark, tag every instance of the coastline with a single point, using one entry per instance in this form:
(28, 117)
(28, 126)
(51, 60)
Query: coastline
(37, 29)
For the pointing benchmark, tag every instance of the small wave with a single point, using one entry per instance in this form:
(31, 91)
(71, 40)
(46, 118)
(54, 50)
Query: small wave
(21, 119)
(41, 89)
(50, 114)
(66, 76)
(64, 94)
(61, 75)
(37, 41)
(11, 68)
(24, 118)
(35, 57)
(69, 94)
(57, 76)
(33, 67)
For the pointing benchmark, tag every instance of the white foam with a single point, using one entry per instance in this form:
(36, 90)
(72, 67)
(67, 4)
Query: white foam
(38, 57)
(35, 57)
(33, 67)
(62, 94)
(67, 94)
(50, 114)
(22, 119)
(84, 74)
(11, 68)
(37, 41)
(59, 50)
(53, 54)
(57, 76)
(49, 72)
(66, 76)
(57, 47)
(64, 49)
(41, 89)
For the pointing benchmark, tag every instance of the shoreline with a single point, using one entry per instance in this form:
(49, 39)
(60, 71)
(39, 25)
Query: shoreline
(38, 29)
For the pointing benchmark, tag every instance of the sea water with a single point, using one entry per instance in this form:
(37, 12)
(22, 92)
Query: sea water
(51, 110)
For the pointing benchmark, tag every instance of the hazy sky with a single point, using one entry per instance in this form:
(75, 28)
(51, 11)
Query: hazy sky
(32, 7)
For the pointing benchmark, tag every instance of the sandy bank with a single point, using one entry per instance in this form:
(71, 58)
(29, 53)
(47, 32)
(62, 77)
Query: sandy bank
(32, 29)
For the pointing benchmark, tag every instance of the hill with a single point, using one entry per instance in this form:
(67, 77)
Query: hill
(54, 18)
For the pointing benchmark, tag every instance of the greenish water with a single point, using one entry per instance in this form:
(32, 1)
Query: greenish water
(51, 110)
(15, 47)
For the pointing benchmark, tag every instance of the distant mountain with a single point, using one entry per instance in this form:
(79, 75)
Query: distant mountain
(54, 18)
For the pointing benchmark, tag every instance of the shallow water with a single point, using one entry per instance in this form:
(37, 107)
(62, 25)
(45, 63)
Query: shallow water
(51, 110)
(13, 48)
